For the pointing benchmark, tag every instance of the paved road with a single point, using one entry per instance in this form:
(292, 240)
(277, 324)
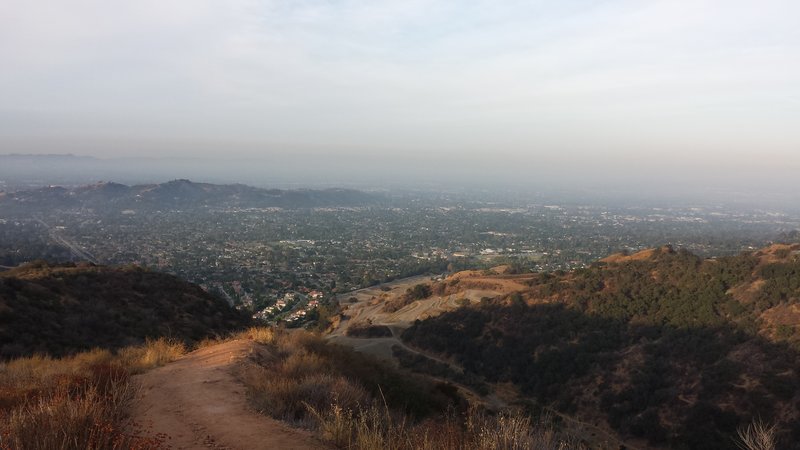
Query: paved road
(61, 240)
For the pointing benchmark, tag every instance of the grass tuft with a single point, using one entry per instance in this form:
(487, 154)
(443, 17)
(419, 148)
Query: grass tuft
(154, 353)
(357, 403)
(377, 427)
(77, 402)
(757, 436)
(262, 335)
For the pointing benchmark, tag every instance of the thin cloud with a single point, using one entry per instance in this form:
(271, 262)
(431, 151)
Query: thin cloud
(478, 77)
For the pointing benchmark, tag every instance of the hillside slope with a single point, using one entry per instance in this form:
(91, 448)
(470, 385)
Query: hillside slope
(660, 345)
(63, 309)
(198, 403)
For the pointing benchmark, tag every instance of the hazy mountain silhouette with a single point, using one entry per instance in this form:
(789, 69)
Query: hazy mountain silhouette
(179, 194)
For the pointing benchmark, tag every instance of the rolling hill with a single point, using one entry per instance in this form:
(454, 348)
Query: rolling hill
(176, 194)
(59, 310)
(660, 346)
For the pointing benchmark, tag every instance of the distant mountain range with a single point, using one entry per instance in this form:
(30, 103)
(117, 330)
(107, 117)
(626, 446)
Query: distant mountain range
(24, 171)
(178, 194)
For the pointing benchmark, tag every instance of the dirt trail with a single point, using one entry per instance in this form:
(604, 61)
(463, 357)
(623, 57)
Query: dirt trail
(199, 404)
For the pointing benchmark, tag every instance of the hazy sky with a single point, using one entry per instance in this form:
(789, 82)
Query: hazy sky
(595, 83)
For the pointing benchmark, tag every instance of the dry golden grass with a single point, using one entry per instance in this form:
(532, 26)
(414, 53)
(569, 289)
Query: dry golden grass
(290, 375)
(77, 402)
(299, 378)
(375, 428)
(154, 353)
(262, 335)
(88, 419)
(757, 436)
(207, 342)
(777, 253)
(618, 258)
(287, 398)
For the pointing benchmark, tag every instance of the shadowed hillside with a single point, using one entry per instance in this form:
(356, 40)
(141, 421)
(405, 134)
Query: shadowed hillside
(660, 345)
(63, 309)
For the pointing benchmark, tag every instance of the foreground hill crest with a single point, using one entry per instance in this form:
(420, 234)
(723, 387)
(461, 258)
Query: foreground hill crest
(62, 309)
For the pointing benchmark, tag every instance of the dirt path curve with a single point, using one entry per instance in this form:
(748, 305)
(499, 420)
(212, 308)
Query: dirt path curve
(199, 404)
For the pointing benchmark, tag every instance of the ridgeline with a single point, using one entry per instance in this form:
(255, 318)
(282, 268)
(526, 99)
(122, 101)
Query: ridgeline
(63, 309)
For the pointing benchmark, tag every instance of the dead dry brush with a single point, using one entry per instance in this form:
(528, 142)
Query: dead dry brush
(292, 372)
(376, 427)
(77, 402)
(757, 436)
(358, 403)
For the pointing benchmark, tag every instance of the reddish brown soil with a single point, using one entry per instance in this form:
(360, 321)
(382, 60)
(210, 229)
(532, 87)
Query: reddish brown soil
(199, 404)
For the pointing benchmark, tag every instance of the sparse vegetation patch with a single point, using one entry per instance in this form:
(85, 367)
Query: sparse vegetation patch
(357, 402)
(78, 402)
